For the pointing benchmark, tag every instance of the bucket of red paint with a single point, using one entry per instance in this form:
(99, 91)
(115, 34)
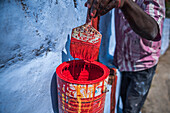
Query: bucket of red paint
(78, 94)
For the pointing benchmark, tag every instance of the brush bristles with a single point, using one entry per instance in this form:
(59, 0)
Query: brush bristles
(84, 51)
(85, 42)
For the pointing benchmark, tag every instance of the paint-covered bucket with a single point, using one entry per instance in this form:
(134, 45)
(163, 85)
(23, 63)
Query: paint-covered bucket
(78, 94)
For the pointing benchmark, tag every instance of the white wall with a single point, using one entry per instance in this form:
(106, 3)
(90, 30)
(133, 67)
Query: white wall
(165, 36)
(30, 28)
(33, 36)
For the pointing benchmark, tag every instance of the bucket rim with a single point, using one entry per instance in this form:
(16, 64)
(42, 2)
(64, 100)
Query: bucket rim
(106, 72)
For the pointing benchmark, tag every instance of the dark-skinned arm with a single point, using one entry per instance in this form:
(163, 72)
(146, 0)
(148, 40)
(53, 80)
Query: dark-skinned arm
(142, 24)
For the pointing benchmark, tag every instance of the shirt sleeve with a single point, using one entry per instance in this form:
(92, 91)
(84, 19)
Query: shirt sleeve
(156, 9)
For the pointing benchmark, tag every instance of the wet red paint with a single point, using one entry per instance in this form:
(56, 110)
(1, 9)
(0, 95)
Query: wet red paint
(84, 74)
(92, 72)
(82, 83)
(82, 89)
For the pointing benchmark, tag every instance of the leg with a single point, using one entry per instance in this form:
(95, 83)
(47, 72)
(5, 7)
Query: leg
(124, 86)
(137, 89)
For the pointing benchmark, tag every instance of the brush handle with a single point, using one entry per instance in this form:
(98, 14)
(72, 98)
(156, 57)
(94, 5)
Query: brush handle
(93, 21)
(88, 18)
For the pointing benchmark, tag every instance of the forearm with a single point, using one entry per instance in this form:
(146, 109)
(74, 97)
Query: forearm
(143, 24)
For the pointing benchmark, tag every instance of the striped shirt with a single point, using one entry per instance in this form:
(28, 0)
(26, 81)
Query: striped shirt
(134, 53)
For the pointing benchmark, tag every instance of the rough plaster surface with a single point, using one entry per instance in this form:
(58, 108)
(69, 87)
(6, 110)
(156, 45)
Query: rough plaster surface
(33, 37)
(34, 28)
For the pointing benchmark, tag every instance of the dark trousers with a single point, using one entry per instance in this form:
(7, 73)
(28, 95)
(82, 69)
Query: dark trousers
(134, 89)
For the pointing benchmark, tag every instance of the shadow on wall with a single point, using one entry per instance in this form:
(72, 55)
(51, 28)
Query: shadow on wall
(54, 93)
(108, 42)
(105, 29)
(66, 56)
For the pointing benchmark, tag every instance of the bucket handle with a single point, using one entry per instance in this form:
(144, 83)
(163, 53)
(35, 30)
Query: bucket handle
(105, 90)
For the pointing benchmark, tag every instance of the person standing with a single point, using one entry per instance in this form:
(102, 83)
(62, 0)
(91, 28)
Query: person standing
(138, 25)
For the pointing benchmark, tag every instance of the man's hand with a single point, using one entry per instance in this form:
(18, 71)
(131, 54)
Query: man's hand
(101, 7)
(141, 23)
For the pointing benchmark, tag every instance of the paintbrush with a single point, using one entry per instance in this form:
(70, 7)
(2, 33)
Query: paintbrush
(85, 42)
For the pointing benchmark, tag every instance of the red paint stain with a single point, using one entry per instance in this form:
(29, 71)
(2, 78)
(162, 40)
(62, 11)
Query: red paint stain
(79, 97)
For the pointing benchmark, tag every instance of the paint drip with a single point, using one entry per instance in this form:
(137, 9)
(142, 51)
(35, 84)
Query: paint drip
(84, 74)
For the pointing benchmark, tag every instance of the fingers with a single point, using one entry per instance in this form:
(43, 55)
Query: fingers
(85, 4)
(109, 7)
(95, 7)
(89, 3)
(103, 4)
(99, 7)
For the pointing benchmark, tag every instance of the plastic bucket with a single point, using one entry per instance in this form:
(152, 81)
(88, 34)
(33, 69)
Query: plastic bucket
(81, 96)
